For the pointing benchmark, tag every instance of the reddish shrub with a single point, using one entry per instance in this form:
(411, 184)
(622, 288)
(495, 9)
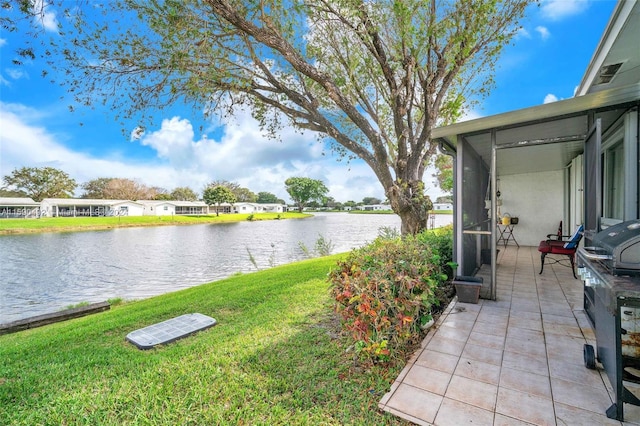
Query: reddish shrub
(384, 293)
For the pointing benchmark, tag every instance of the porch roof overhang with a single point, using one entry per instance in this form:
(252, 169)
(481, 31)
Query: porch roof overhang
(549, 135)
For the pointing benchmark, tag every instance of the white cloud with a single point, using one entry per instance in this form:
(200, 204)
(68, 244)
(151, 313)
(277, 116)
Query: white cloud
(543, 31)
(550, 98)
(15, 73)
(241, 155)
(44, 16)
(3, 41)
(470, 115)
(24, 143)
(560, 9)
(523, 33)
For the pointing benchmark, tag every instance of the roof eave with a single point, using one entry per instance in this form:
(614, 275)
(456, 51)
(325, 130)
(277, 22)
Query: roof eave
(539, 113)
(610, 35)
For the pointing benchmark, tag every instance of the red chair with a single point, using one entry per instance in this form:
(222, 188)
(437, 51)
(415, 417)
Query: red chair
(561, 245)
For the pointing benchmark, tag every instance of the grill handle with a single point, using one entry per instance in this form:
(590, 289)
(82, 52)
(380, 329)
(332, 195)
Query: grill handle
(591, 253)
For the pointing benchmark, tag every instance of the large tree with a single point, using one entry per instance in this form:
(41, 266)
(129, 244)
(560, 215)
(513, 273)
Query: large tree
(245, 195)
(371, 77)
(371, 200)
(184, 193)
(128, 189)
(267, 198)
(242, 194)
(444, 172)
(40, 182)
(304, 190)
(217, 195)
(95, 188)
(5, 193)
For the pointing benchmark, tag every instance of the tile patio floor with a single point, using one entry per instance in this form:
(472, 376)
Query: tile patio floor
(514, 361)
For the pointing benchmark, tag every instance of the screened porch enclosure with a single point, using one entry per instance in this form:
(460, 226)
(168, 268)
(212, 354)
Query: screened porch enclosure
(572, 162)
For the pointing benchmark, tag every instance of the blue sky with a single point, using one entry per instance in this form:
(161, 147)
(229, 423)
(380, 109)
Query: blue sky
(545, 62)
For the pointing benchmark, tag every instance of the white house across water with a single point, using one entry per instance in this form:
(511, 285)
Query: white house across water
(83, 207)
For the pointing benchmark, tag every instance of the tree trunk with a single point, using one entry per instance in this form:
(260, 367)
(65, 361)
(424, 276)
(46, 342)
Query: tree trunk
(412, 221)
(410, 203)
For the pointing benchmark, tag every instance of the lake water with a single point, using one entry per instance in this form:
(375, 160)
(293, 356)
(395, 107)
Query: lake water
(42, 273)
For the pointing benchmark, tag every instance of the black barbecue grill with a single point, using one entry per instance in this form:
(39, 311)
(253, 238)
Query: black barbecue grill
(610, 269)
(617, 248)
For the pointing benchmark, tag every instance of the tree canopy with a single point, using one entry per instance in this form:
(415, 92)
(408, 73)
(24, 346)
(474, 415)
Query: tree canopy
(184, 193)
(128, 189)
(40, 182)
(95, 188)
(241, 194)
(268, 198)
(216, 195)
(444, 172)
(371, 200)
(303, 190)
(371, 78)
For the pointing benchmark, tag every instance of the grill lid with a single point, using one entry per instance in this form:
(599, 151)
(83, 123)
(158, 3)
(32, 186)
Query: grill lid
(617, 235)
(618, 247)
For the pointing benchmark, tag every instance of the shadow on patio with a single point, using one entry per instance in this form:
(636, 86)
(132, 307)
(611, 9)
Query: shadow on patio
(514, 361)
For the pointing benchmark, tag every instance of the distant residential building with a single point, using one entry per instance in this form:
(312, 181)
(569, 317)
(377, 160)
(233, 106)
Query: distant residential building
(174, 207)
(11, 207)
(375, 207)
(258, 208)
(442, 206)
(86, 207)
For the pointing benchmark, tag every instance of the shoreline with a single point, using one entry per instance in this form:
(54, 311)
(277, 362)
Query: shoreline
(64, 224)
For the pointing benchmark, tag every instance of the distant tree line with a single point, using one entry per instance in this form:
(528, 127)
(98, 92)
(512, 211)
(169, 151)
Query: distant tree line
(48, 182)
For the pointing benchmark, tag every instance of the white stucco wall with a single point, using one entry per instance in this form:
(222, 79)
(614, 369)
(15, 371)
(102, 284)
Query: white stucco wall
(537, 200)
(133, 209)
(165, 209)
(244, 208)
(155, 208)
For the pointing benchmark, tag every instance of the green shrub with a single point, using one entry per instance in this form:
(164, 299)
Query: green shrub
(440, 241)
(323, 246)
(115, 301)
(385, 292)
(388, 233)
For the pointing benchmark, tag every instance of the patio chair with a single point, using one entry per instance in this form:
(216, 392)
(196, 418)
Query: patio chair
(558, 235)
(563, 245)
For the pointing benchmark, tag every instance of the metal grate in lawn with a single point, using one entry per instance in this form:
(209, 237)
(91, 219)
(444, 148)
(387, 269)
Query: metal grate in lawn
(170, 330)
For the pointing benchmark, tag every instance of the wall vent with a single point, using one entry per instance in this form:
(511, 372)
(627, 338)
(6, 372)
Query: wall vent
(607, 72)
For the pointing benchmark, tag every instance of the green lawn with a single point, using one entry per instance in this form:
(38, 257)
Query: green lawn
(273, 359)
(51, 224)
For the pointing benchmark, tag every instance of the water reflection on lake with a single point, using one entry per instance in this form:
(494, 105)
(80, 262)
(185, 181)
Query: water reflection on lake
(43, 273)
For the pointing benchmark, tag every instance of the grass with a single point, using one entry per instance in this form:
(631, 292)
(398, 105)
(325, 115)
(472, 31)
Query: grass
(77, 305)
(274, 358)
(51, 224)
